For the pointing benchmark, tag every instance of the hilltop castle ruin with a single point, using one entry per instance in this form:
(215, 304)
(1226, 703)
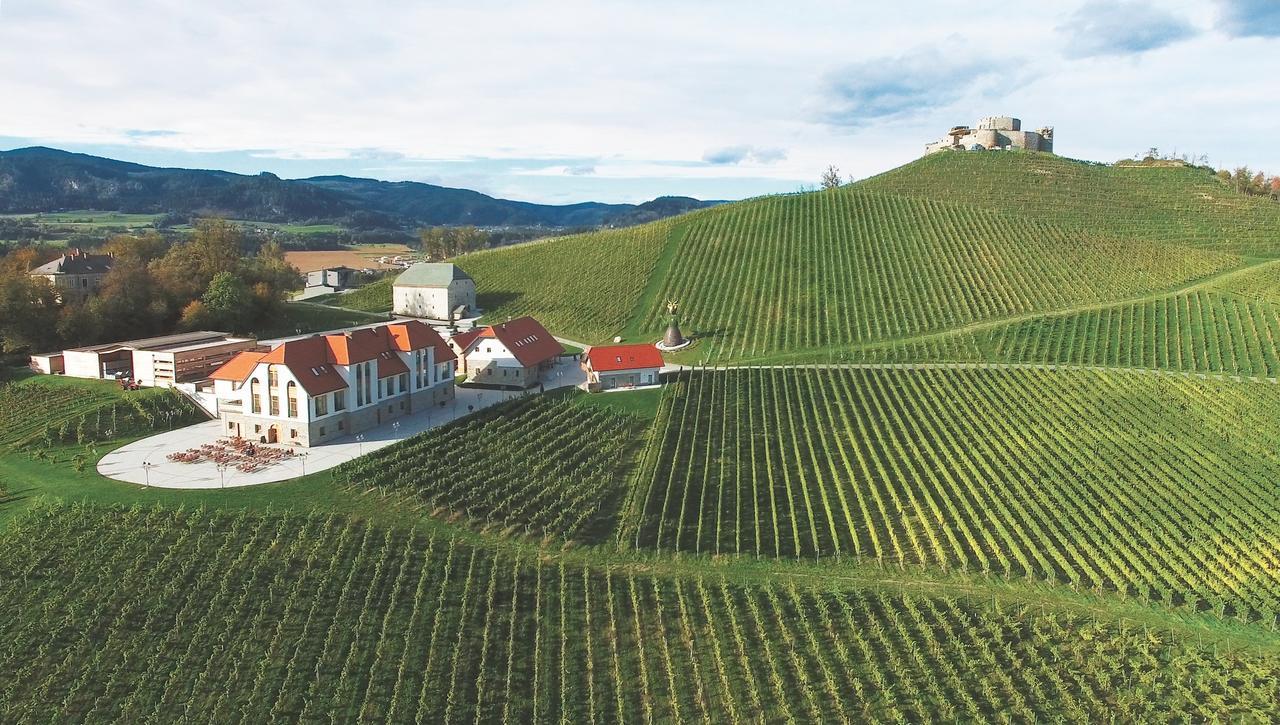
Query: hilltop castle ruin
(994, 132)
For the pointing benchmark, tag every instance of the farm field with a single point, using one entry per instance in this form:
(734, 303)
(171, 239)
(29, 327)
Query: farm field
(825, 270)
(219, 615)
(49, 410)
(356, 258)
(372, 297)
(87, 219)
(571, 458)
(1083, 478)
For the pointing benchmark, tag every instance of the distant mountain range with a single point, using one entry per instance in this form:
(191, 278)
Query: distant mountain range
(39, 179)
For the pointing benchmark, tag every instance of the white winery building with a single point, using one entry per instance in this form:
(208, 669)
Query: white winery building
(435, 291)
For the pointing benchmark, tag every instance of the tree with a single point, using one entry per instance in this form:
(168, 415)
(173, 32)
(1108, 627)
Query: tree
(194, 316)
(831, 177)
(467, 239)
(187, 268)
(142, 248)
(433, 242)
(28, 314)
(229, 302)
(128, 305)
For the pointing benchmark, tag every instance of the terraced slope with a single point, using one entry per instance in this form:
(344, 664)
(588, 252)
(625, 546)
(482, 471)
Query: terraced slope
(1160, 487)
(220, 616)
(1171, 205)
(818, 272)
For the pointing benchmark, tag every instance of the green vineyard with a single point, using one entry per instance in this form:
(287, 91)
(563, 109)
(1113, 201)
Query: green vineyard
(218, 616)
(1173, 205)
(584, 286)
(829, 270)
(1083, 478)
(992, 437)
(43, 412)
(540, 465)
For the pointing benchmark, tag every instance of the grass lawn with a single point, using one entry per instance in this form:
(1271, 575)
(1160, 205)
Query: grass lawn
(304, 317)
(639, 402)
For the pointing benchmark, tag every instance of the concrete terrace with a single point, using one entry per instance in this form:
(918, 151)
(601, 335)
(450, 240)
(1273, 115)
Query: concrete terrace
(126, 463)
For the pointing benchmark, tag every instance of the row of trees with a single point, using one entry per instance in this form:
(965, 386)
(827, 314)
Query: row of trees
(213, 279)
(1255, 183)
(445, 242)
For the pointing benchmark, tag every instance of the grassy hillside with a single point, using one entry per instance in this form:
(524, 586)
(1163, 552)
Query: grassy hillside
(583, 287)
(881, 270)
(1173, 205)
(756, 544)
(820, 272)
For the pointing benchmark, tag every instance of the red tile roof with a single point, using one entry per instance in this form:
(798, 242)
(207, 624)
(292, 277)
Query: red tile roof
(319, 380)
(464, 339)
(416, 335)
(390, 364)
(312, 359)
(238, 368)
(357, 346)
(527, 340)
(612, 358)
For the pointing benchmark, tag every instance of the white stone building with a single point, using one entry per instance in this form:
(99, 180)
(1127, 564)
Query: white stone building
(511, 354)
(434, 291)
(316, 389)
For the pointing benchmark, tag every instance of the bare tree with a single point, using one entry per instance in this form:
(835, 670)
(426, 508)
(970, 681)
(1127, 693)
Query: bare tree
(831, 177)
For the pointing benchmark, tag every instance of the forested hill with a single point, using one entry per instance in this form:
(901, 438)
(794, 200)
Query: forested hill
(41, 179)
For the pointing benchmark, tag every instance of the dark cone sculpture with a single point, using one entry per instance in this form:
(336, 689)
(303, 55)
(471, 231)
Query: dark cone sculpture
(673, 339)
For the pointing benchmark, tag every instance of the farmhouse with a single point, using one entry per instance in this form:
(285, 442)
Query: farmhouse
(316, 389)
(434, 291)
(75, 275)
(610, 367)
(512, 354)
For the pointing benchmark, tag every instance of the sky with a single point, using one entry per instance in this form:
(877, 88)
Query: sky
(567, 101)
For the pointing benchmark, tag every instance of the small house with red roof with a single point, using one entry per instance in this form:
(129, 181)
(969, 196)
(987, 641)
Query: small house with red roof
(316, 389)
(511, 354)
(614, 367)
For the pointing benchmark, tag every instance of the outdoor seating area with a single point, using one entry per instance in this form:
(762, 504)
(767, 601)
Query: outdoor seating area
(244, 455)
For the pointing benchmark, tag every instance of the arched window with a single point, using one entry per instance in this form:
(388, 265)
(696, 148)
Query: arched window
(255, 396)
(291, 392)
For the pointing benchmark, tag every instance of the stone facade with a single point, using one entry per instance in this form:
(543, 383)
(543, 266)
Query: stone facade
(311, 390)
(76, 275)
(994, 133)
(434, 291)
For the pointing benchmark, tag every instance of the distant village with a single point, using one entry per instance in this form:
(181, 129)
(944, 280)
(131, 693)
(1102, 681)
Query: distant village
(309, 390)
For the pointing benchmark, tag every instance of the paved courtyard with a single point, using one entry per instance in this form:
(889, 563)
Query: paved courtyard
(127, 462)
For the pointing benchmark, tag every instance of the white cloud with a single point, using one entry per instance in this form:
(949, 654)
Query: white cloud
(490, 92)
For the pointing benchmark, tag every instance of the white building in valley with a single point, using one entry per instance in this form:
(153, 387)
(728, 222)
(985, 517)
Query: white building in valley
(434, 291)
(315, 389)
